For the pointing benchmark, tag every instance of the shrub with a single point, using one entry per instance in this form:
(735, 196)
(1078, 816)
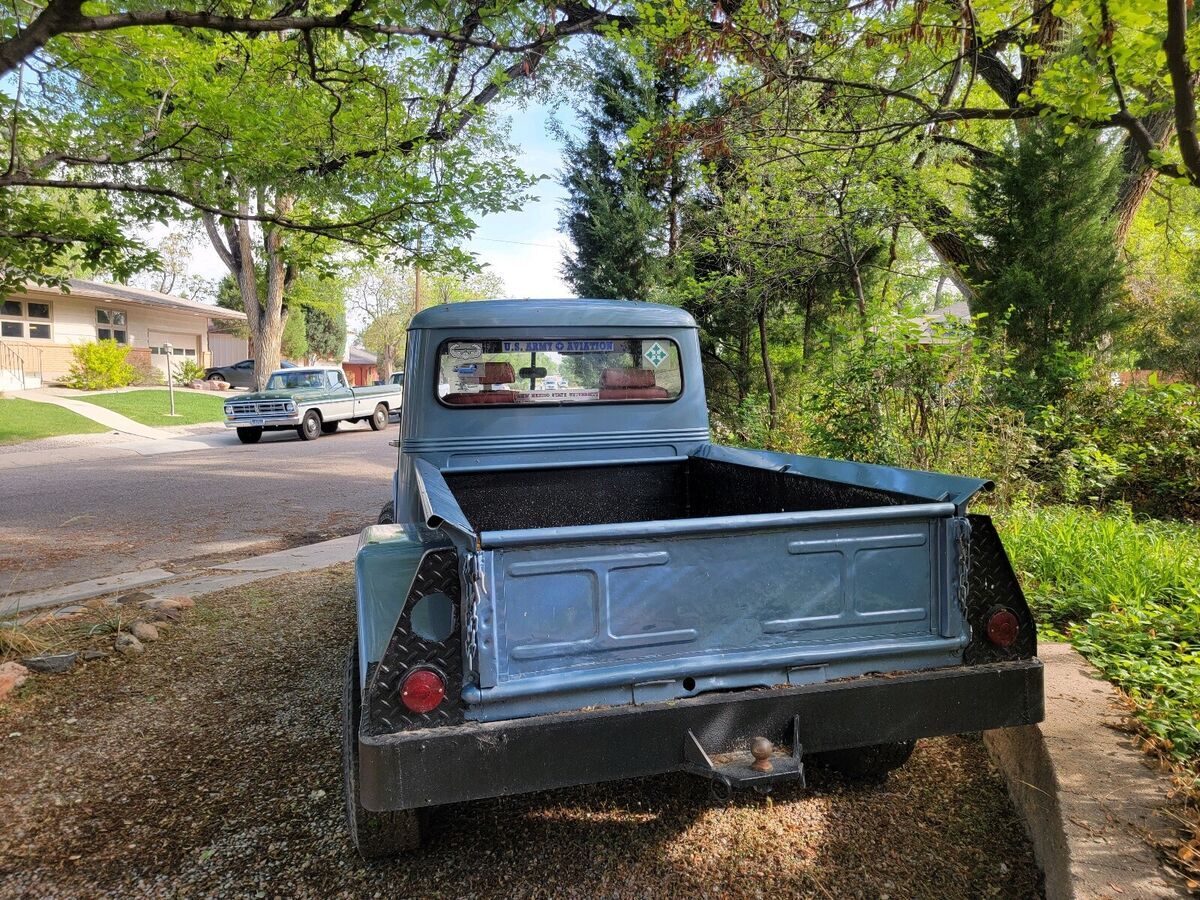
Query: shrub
(1139, 445)
(189, 370)
(100, 365)
(147, 374)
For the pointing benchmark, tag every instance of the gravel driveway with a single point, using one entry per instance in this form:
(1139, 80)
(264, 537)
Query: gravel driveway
(210, 766)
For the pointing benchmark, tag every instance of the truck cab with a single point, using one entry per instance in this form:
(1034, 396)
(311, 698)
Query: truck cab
(580, 586)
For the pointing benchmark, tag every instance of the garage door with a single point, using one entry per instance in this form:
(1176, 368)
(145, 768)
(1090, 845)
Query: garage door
(183, 346)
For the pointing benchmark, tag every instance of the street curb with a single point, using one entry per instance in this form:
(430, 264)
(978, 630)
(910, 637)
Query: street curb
(1087, 797)
(162, 583)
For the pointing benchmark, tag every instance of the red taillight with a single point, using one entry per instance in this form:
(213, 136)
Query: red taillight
(1002, 628)
(422, 690)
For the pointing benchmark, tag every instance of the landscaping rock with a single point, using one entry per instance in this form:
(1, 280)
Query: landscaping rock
(127, 645)
(68, 611)
(91, 655)
(52, 663)
(135, 597)
(166, 615)
(168, 603)
(12, 676)
(144, 631)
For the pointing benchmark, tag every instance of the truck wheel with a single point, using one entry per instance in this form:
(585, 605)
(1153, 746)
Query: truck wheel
(309, 428)
(871, 763)
(249, 435)
(329, 427)
(387, 515)
(379, 418)
(375, 835)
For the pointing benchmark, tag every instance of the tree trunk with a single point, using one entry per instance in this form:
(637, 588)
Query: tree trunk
(768, 372)
(265, 316)
(385, 362)
(743, 379)
(810, 296)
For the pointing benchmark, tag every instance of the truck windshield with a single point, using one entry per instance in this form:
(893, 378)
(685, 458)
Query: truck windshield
(290, 381)
(548, 370)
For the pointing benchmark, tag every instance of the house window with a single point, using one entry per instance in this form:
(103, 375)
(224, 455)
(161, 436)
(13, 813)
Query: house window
(21, 319)
(110, 325)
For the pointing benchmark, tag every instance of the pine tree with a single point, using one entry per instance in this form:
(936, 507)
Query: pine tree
(622, 197)
(1044, 217)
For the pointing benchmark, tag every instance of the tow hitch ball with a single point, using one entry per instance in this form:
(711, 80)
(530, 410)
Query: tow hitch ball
(757, 768)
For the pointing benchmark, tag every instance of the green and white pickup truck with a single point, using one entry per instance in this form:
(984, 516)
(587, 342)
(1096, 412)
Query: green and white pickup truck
(313, 401)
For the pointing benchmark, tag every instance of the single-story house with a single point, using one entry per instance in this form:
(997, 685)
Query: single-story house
(40, 325)
(360, 366)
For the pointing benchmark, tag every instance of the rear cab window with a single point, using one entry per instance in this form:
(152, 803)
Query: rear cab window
(540, 371)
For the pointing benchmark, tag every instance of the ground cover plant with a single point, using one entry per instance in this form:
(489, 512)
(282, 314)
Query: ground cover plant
(1126, 593)
(153, 407)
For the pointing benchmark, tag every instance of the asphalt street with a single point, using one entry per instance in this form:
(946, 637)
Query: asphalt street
(68, 520)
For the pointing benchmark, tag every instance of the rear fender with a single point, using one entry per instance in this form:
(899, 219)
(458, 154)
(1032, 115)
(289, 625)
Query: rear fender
(384, 567)
(992, 585)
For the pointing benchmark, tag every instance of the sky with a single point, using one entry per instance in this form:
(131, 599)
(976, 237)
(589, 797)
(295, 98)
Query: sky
(525, 247)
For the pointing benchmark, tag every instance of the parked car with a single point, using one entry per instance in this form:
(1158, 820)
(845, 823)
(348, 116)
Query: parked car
(580, 586)
(239, 374)
(313, 401)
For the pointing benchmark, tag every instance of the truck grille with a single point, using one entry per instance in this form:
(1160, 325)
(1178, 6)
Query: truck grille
(261, 408)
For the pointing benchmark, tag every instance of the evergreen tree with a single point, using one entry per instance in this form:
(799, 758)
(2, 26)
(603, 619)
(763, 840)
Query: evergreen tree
(623, 196)
(1044, 217)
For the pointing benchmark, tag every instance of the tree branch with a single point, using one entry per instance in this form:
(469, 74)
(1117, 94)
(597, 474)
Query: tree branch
(1180, 71)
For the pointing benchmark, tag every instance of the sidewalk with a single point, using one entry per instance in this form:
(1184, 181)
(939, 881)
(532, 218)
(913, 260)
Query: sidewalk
(163, 583)
(105, 417)
(1092, 804)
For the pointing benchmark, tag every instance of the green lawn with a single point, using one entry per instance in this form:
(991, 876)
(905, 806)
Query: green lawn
(151, 407)
(25, 420)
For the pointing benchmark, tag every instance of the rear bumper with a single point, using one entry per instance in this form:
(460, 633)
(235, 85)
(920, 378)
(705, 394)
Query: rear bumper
(434, 766)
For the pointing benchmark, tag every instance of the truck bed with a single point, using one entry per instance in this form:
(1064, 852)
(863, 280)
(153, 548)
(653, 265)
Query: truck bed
(652, 579)
(689, 488)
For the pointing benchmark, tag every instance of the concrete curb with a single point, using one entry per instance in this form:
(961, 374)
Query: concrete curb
(1087, 796)
(162, 583)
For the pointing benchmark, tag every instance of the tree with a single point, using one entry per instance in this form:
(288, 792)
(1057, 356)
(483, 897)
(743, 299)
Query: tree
(383, 300)
(624, 176)
(325, 332)
(960, 78)
(1045, 218)
(306, 135)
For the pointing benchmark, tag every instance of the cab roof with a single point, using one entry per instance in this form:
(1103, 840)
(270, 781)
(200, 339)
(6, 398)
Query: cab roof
(568, 313)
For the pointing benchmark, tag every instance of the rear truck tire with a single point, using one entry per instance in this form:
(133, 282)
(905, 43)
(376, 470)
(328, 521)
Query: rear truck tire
(249, 435)
(309, 428)
(375, 835)
(387, 515)
(379, 418)
(329, 427)
(871, 763)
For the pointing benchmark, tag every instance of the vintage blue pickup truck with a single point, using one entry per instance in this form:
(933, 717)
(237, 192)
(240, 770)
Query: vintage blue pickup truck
(580, 586)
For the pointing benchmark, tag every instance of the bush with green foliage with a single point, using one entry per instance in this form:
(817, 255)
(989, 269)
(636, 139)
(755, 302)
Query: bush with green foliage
(1126, 593)
(188, 370)
(1139, 445)
(100, 365)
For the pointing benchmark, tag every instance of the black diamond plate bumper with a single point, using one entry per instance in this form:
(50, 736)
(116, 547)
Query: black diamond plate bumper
(431, 766)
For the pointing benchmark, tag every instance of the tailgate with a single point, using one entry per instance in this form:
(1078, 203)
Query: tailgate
(568, 617)
(691, 606)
